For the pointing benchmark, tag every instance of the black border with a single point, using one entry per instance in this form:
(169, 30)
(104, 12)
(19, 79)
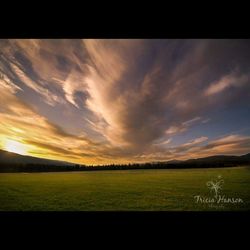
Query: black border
(150, 222)
(129, 21)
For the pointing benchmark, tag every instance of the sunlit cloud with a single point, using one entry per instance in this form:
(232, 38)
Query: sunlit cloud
(230, 80)
(192, 121)
(196, 141)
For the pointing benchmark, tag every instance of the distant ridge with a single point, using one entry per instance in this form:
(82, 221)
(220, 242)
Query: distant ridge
(214, 161)
(219, 158)
(12, 162)
(174, 161)
(13, 158)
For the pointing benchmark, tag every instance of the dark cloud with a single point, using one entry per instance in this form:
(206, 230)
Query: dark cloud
(166, 93)
(49, 147)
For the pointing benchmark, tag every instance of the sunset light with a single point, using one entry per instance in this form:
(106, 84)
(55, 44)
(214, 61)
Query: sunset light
(15, 147)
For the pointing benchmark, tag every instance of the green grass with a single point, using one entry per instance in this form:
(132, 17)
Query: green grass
(124, 190)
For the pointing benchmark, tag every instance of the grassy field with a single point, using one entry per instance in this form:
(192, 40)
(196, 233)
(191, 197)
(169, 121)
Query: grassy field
(123, 190)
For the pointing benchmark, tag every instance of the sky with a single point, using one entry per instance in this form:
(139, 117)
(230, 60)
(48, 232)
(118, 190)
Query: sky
(95, 101)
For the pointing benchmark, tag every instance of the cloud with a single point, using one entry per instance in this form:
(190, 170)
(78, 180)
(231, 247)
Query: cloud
(231, 144)
(132, 101)
(188, 146)
(50, 98)
(6, 83)
(230, 80)
(51, 68)
(227, 140)
(20, 122)
(228, 145)
(192, 121)
(108, 87)
(184, 126)
(164, 142)
(196, 141)
(175, 130)
(71, 85)
(206, 120)
(48, 147)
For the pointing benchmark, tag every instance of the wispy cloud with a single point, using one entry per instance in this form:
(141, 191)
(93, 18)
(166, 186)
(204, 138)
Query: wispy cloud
(196, 141)
(192, 121)
(227, 81)
(6, 83)
(231, 144)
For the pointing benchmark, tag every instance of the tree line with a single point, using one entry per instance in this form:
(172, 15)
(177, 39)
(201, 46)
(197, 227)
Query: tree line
(21, 167)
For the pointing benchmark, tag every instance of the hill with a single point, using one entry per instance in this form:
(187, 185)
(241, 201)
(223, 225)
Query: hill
(13, 158)
(12, 162)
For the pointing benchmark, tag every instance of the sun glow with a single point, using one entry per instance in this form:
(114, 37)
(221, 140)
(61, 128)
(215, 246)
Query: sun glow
(15, 147)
